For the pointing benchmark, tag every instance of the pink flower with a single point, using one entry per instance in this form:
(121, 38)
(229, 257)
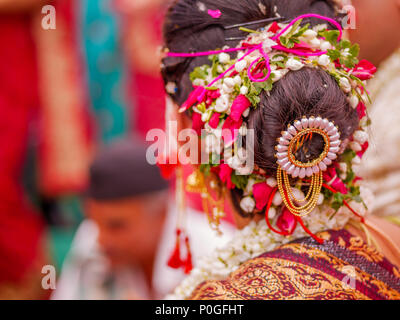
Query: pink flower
(197, 95)
(231, 130)
(364, 148)
(261, 193)
(239, 105)
(225, 173)
(214, 121)
(197, 123)
(214, 13)
(361, 110)
(330, 176)
(364, 70)
(286, 222)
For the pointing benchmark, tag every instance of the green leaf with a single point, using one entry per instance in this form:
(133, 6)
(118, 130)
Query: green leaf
(240, 181)
(331, 36)
(355, 50)
(334, 54)
(348, 156)
(199, 73)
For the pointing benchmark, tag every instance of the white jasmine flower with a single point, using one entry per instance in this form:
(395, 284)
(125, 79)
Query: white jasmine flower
(355, 146)
(268, 44)
(226, 89)
(343, 166)
(315, 43)
(272, 182)
(320, 199)
(271, 213)
(222, 104)
(324, 60)
(224, 57)
(246, 112)
(206, 115)
(277, 201)
(244, 90)
(238, 80)
(240, 65)
(345, 84)
(249, 188)
(294, 64)
(353, 101)
(309, 34)
(279, 74)
(247, 204)
(325, 45)
(229, 82)
(360, 136)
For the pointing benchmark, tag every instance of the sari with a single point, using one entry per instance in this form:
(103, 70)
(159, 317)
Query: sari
(342, 268)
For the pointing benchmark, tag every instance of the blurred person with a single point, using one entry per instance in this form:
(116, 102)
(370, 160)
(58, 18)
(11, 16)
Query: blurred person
(375, 25)
(113, 253)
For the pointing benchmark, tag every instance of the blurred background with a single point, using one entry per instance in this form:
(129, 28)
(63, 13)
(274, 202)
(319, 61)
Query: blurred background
(72, 81)
(82, 214)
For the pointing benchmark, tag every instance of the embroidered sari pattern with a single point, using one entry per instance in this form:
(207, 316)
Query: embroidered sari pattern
(343, 268)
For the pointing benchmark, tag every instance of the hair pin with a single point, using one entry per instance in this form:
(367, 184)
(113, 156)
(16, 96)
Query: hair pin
(253, 22)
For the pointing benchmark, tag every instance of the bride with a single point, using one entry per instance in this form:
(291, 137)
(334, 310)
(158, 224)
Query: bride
(277, 83)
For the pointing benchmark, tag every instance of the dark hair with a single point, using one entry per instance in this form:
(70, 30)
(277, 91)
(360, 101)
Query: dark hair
(307, 92)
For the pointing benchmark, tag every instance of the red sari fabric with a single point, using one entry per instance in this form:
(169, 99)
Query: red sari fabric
(342, 268)
(20, 227)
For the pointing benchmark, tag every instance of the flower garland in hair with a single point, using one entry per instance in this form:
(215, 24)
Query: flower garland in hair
(228, 89)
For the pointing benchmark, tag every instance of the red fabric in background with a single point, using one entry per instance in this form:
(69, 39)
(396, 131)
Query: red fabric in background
(20, 227)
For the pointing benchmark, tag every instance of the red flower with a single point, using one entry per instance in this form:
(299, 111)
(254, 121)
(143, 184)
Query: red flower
(214, 121)
(239, 105)
(231, 130)
(364, 70)
(330, 176)
(197, 95)
(197, 123)
(225, 173)
(261, 193)
(361, 110)
(274, 27)
(364, 148)
(286, 222)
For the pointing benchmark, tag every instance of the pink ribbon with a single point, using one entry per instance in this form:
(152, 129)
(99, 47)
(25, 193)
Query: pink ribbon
(259, 47)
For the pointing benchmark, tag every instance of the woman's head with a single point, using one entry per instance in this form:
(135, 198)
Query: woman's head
(306, 92)
(189, 28)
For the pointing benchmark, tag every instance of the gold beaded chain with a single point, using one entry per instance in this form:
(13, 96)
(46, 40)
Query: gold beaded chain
(290, 191)
(315, 189)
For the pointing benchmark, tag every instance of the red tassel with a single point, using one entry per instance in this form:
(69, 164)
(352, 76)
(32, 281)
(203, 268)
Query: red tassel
(188, 263)
(175, 260)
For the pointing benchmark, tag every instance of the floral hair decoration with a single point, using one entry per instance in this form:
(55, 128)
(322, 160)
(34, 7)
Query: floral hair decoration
(229, 88)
